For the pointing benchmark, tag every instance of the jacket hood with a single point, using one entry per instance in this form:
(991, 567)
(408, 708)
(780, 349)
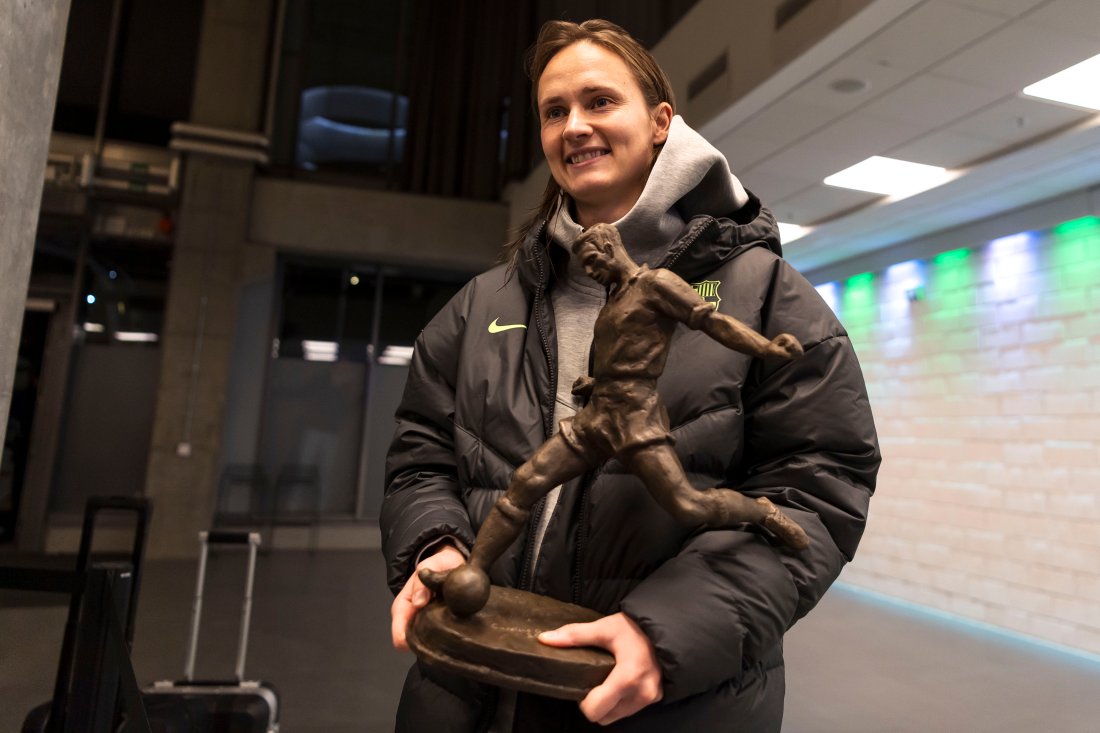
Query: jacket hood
(702, 244)
(689, 186)
(707, 241)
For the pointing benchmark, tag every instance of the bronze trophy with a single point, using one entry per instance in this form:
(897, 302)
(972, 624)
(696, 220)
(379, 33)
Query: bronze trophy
(491, 633)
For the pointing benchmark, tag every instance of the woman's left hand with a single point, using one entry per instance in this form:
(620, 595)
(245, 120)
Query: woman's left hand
(635, 680)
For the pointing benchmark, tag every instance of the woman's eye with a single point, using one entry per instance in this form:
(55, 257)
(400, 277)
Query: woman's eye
(553, 113)
(601, 102)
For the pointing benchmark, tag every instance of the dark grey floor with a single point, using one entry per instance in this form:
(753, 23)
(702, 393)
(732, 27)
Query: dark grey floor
(320, 634)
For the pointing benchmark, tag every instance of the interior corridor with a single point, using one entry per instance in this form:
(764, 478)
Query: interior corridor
(320, 635)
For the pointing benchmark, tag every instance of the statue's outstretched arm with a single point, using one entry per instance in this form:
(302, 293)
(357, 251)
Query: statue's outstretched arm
(734, 334)
(680, 301)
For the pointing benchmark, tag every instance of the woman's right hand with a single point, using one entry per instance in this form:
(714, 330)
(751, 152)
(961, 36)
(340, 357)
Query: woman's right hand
(415, 595)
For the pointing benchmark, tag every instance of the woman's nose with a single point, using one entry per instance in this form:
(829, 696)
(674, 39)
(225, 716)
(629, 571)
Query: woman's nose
(577, 125)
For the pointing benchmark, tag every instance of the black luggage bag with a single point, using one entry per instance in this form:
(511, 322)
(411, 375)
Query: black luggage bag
(95, 689)
(233, 705)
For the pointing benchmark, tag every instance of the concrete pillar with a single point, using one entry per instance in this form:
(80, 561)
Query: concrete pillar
(32, 38)
(208, 266)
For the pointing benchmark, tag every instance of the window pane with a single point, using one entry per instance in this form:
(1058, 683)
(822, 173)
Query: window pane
(311, 311)
(124, 294)
(408, 303)
(108, 424)
(358, 318)
(338, 108)
(348, 128)
(312, 433)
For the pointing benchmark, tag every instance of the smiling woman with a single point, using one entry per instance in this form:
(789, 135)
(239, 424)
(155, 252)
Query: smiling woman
(645, 77)
(693, 615)
(599, 134)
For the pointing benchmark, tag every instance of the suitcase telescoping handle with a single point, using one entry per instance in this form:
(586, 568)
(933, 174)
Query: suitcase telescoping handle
(141, 508)
(252, 539)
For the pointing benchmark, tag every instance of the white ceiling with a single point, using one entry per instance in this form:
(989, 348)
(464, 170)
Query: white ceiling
(944, 81)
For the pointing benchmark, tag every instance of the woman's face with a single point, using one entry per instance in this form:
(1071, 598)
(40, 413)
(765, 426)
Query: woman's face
(598, 132)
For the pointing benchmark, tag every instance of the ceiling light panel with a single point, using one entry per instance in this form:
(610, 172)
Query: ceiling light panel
(1077, 86)
(889, 176)
(790, 232)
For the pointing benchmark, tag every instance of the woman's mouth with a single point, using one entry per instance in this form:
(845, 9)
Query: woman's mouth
(586, 156)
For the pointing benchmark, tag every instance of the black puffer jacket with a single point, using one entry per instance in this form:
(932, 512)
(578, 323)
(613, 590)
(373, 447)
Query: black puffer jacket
(715, 604)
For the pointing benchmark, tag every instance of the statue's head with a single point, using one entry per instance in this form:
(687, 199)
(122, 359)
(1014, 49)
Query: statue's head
(604, 237)
(598, 250)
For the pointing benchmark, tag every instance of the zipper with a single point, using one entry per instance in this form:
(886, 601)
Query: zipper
(540, 295)
(587, 482)
(671, 259)
(525, 578)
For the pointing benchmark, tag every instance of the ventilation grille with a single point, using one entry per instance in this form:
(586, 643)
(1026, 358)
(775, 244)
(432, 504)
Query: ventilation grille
(707, 76)
(788, 10)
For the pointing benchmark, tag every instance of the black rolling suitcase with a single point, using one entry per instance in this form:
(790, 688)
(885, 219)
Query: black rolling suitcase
(231, 705)
(95, 689)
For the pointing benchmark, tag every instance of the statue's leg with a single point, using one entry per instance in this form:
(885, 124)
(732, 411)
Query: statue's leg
(659, 468)
(554, 463)
(466, 588)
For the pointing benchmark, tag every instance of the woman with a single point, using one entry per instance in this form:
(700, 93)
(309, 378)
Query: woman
(695, 618)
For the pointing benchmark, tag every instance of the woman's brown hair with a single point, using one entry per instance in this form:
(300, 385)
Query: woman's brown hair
(556, 35)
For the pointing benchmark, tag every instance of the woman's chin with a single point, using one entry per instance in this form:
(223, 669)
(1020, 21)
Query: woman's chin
(601, 202)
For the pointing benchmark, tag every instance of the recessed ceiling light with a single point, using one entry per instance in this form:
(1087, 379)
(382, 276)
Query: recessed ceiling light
(889, 176)
(790, 232)
(136, 337)
(1076, 86)
(849, 85)
(320, 350)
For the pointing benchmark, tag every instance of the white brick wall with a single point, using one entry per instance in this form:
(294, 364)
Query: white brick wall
(986, 392)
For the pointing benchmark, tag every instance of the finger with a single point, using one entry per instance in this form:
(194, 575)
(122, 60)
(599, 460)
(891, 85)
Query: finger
(420, 595)
(401, 613)
(623, 697)
(589, 634)
(624, 709)
(641, 693)
(413, 597)
(602, 699)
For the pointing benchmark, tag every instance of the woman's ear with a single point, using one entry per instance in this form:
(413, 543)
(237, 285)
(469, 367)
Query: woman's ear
(662, 121)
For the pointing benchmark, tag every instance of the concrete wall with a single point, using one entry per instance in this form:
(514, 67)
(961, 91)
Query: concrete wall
(250, 358)
(980, 355)
(377, 225)
(196, 343)
(32, 37)
(208, 264)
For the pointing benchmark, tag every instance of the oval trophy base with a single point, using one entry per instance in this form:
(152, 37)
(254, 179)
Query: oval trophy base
(498, 645)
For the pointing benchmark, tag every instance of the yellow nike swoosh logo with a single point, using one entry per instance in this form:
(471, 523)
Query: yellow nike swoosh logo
(495, 327)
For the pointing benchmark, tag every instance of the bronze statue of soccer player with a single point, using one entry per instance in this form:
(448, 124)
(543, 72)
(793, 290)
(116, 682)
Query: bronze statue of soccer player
(624, 417)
